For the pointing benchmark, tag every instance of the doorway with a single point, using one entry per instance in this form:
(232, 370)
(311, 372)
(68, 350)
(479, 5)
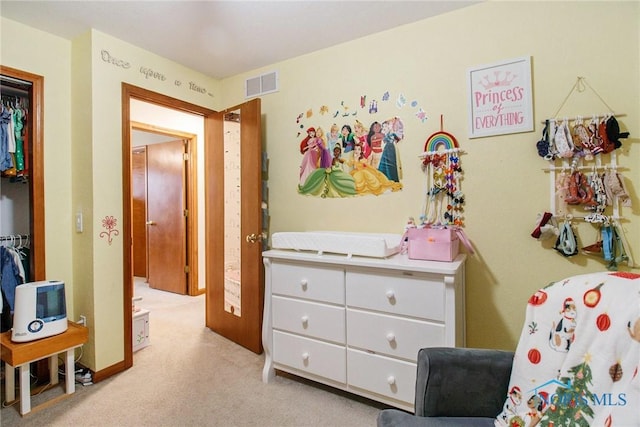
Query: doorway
(244, 329)
(164, 208)
(129, 94)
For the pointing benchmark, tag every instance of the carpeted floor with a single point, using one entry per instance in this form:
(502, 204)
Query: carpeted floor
(190, 376)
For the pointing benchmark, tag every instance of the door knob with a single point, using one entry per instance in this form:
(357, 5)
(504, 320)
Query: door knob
(253, 237)
(151, 223)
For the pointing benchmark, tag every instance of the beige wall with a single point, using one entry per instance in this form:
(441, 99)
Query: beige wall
(81, 165)
(153, 73)
(41, 53)
(504, 182)
(83, 161)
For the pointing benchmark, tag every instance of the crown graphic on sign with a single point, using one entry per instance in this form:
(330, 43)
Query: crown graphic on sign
(500, 79)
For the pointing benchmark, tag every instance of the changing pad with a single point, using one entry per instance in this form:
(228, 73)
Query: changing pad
(339, 242)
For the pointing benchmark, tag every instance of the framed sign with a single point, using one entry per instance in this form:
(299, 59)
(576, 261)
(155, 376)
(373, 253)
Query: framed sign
(500, 98)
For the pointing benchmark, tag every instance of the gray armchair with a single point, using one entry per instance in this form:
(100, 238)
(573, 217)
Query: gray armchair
(456, 387)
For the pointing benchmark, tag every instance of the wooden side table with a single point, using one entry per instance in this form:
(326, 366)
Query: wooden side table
(20, 355)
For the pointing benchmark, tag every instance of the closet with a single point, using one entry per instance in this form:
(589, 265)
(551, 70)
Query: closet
(21, 170)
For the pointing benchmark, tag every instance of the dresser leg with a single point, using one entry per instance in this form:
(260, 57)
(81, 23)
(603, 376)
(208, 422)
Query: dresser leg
(268, 372)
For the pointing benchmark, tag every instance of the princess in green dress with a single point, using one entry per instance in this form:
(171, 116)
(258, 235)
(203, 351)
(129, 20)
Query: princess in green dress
(370, 180)
(331, 181)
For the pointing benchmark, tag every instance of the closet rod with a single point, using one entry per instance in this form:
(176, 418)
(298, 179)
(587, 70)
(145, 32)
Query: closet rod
(568, 168)
(569, 217)
(14, 80)
(14, 237)
(586, 117)
(14, 92)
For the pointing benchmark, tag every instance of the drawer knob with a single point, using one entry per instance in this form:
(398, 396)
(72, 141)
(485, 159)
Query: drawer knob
(391, 380)
(391, 337)
(305, 356)
(304, 283)
(305, 320)
(390, 294)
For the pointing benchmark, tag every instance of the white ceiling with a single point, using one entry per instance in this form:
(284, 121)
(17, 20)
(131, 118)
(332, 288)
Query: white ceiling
(225, 38)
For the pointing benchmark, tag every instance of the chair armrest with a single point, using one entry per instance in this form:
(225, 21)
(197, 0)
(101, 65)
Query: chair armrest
(462, 382)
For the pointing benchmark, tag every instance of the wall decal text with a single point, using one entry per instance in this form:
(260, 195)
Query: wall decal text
(150, 73)
(107, 57)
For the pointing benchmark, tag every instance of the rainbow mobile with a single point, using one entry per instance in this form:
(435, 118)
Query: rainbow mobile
(443, 202)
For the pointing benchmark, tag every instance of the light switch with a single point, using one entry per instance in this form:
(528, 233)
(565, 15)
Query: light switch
(79, 222)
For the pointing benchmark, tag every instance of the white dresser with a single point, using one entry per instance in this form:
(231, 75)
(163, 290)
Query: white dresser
(357, 323)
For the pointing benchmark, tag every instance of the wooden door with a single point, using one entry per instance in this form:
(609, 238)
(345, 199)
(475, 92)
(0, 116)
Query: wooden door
(166, 220)
(233, 208)
(139, 210)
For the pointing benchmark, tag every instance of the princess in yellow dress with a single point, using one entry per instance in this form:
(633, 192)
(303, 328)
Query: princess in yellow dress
(369, 180)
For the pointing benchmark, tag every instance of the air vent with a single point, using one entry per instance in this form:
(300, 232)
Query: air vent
(261, 85)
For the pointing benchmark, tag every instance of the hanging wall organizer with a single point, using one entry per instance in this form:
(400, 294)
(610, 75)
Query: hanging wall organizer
(444, 200)
(583, 185)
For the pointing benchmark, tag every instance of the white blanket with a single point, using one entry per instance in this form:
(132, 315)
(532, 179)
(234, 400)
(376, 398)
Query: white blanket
(578, 358)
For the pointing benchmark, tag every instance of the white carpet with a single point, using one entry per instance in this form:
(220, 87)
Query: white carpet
(190, 376)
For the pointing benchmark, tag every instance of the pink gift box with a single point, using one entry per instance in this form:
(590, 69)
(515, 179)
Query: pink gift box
(433, 244)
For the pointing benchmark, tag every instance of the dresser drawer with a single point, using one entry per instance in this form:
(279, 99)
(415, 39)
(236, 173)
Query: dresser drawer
(392, 335)
(378, 374)
(309, 318)
(309, 355)
(357, 323)
(412, 294)
(308, 281)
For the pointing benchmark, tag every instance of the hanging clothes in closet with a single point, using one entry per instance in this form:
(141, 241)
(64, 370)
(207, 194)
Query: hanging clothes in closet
(14, 262)
(14, 135)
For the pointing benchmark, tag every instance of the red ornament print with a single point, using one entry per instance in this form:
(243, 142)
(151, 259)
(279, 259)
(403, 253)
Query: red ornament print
(615, 372)
(626, 275)
(603, 322)
(534, 356)
(592, 297)
(538, 298)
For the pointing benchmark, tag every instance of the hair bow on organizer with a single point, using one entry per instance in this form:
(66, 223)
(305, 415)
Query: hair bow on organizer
(613, 132)
(546, 227)
(566, 244)
(544, 150)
